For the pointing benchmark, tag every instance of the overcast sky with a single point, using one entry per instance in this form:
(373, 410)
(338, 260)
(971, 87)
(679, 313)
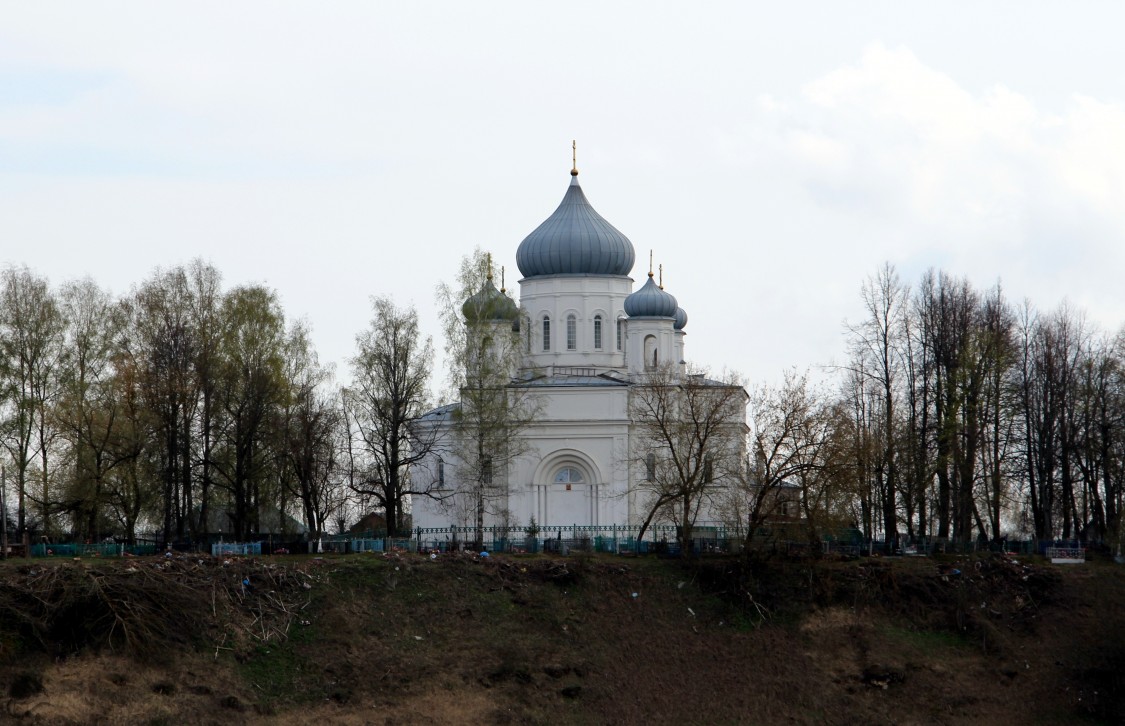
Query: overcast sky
(772, 155)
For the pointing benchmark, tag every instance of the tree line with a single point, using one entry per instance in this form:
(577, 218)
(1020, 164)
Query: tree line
(184, 410)
(973, 418)
(956, 416)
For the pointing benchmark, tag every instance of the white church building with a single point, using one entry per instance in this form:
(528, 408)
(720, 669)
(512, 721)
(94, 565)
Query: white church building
(592, 338)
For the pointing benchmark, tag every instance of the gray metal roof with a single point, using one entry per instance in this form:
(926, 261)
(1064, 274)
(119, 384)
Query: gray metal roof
(488, 303)
(441, 413)
(569, 380)
(651, 302)
(575, 240)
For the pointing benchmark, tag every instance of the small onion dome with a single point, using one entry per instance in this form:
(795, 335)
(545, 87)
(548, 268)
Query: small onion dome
(489, 304)
(575, 240)
(681, 319)
(650, 302)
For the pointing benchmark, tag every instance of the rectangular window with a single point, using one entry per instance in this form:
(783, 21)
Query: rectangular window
(441, 474)
(546, 334)
(486, 470)
(650, 467)
(620, 333)
(597, 332)
(571, 333)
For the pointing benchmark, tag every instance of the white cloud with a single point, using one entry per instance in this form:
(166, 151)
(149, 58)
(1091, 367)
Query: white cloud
(1001, 186)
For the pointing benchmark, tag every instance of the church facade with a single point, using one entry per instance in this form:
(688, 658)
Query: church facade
(588, 339)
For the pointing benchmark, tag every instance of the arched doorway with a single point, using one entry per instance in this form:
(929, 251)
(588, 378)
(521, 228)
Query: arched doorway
(567, 490)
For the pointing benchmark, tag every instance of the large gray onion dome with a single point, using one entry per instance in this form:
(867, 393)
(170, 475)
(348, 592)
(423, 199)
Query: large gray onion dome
(575, 240)
(489, 304)
(681, 319)
(651, 302)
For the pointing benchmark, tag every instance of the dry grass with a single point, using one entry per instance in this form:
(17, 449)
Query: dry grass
(142, 607)
(404, 639)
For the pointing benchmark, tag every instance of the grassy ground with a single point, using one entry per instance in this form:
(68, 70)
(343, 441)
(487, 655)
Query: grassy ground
(405, 639)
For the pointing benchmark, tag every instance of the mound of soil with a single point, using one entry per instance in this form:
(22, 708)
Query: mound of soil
(534, 639)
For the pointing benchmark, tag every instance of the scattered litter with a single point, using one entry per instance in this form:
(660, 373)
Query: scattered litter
(417, 637)
(635, 594)
(691, 611)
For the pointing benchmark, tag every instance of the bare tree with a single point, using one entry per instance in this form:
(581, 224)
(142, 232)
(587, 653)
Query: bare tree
(686, 429)
(205, 298)
(161, 342)
(388, 396)
(791, 432)
(310, 429)
(995, 350)
(31, 331)
(877, 343)
(129, 490)
(250, 392)
(89, 411)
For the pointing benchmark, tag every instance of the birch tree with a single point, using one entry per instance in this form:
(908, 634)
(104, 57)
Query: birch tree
(484, 346)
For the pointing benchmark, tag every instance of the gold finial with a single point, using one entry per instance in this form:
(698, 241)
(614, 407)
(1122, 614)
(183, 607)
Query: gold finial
(574, 157)
(661, 276)
(650, 263)
(502, 288)
(488, 265)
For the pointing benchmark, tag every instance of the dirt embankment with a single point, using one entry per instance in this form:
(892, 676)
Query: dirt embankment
(462, 639)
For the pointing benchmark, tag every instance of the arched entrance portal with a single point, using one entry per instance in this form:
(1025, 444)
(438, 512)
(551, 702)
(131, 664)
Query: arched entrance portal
(566, 486)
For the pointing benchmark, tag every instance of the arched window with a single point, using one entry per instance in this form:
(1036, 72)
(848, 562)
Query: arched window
(569, 475)
(571, 332)
(620, 334)
(650, 467)
(546, 332)
(486, 470)
(597, 332)
(708, 469)
(651, 357)
(440, 474)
